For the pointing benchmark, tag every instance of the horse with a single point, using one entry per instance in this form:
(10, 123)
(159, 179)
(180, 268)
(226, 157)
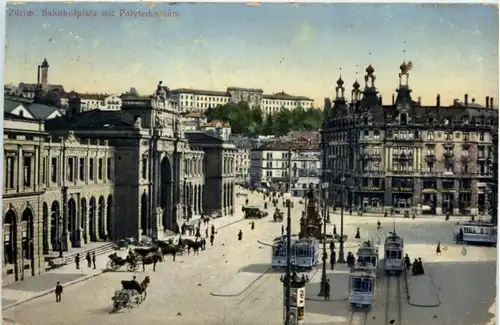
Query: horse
(144, 287)
(151, 258)
(195, 245)
(144, 251)
(167, 249)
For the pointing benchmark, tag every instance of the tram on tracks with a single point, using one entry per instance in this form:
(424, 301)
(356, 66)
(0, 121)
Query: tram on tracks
(476, 232)
(368, 255)
(279, 254)
(393, 254)
(362, 285)
(306, 253)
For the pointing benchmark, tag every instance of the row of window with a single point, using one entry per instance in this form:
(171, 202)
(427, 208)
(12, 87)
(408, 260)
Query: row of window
(404, 135)
(77, 168)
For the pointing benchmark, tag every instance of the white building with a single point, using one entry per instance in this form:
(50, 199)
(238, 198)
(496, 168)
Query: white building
(194, 121)
(242, 165)
(200, 100)
(218, 128)
(269, 166)
(89, 102)
(27, 109)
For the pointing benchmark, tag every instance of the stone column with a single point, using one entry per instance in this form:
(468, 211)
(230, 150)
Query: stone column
(84, 234)
(19, 173)
(105, 220)
(439, 196)
(474, 198)
(456, 197)
(417, 194)
(195, 199)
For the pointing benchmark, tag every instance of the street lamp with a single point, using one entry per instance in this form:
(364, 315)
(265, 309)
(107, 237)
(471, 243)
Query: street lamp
(60, 228)
(288, 283)
(341, 249)
(321, 293)
(296, 295)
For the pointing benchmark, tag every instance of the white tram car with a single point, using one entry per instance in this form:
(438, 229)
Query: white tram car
(476, 232)
(279, 255)
(393, 254)
(306, 253)
(368, 255)
(362, 285)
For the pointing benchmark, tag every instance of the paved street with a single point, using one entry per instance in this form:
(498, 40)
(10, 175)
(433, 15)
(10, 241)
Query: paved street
(189, 290)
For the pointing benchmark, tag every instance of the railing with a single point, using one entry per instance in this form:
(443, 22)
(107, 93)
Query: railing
(69, 259)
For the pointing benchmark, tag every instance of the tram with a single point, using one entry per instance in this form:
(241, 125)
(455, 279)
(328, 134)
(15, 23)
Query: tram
(393, 254)
(279, 255)
(362, 285)
(368, 255)
(476, 232)
(306, 253)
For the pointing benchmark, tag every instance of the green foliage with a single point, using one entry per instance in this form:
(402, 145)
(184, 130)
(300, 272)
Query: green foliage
(251, 121)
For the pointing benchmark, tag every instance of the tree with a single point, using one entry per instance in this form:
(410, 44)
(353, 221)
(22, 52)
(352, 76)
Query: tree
(251, 121)
(133, 92)
(327, 109)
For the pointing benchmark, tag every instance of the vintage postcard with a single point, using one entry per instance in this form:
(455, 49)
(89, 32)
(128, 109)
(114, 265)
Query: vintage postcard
(250, 164)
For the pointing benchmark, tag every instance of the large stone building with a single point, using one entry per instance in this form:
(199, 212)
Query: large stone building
(104, 175)
(200, 100)
(270, 165)
(405, 156)
(58, 193)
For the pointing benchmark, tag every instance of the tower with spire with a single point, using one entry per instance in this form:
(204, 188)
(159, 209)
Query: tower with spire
(339, 106)
(404, 92)
(44, 70)
(370, 92)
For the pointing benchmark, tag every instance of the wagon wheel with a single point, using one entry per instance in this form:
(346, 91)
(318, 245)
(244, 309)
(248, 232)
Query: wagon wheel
(112, 265)
(132, 267)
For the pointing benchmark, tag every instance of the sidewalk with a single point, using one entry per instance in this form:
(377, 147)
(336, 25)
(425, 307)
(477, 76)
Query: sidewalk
(33, 287)
(339, 283)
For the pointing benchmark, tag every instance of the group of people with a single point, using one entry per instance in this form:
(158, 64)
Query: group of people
(417, 267)
(90, 260)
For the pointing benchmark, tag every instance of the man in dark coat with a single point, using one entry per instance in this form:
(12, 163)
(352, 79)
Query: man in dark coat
(332, 259)
(282, 230)
(240, 235)
(58, 291)
(89, 259)
(252, 225)
(206, 232)
(334, 230)
(213, 229)
(77, 261)
(212, 239)
(407, 262)
(332, 245)
(357, 236)
(93, 259)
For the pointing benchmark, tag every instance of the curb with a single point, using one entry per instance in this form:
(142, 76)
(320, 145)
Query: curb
(265, 244)
(230, 224)
(408, 298)
(46, 292)
(244, 289)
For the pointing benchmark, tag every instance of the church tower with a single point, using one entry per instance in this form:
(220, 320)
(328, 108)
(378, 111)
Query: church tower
(44, 68)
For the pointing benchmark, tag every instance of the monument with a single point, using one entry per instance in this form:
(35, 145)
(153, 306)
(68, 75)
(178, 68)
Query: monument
(310, 223)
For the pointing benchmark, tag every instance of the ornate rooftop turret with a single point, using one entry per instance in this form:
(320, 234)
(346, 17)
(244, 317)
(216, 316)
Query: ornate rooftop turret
(340, 89)
(44, 64)
(355, 91)
(370, 75)
(405, 69)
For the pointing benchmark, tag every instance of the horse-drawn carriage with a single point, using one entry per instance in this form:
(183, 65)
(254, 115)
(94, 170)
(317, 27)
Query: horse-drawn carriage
(253, 212)
(132, 294)
(278, 215)
(116, 262)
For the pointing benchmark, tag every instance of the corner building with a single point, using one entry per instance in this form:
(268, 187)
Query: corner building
(406, 156)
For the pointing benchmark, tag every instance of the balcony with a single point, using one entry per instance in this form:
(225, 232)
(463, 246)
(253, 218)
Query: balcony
(371, 188)
(430, 158)
(404, 156)
(448, 155)
(403, 189)
(464, 158)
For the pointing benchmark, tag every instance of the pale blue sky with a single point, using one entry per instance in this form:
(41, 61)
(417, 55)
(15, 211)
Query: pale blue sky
(297, 49)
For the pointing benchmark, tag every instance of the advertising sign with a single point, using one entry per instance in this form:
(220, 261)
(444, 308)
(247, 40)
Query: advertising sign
(301, 297)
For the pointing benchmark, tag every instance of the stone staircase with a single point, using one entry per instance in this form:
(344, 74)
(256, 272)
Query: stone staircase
(57, 262)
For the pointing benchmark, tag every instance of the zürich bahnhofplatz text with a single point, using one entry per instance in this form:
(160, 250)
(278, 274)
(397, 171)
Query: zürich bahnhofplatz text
(110, 13)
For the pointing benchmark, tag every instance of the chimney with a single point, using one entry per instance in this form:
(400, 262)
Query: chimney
(491, 102)
(419, 100)
(473, 100)
(380, 100)
(487, 101)
(438, 100)
(392, 99)
(466, 100)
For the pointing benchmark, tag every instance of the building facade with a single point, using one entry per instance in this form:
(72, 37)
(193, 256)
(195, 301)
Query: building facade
(200, 100)
(193, 121)
(219, 166)
(270, 165)
(405, 156)
(217, 128)
(58, 193)
(89, 102)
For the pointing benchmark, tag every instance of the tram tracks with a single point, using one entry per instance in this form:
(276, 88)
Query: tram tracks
(358, 317)
(393, 301)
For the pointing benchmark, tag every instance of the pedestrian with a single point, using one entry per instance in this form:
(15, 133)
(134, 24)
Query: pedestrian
(77, 261)
(58, 291)
(89, 260)
(240, 235)
(203, 244)
(212, 239)
(198, 235)
(332, 245)
(213, 229)
(357, 236)
(327, 289)
(407, 262)
(206, 232)
(438, 249)
(93, 259)
(379, 225)
(334, 230)
(252, 226)
(332, 259)
(282, 230)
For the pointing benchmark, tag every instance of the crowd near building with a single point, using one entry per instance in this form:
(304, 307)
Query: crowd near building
(404, 156)
(101, 175)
